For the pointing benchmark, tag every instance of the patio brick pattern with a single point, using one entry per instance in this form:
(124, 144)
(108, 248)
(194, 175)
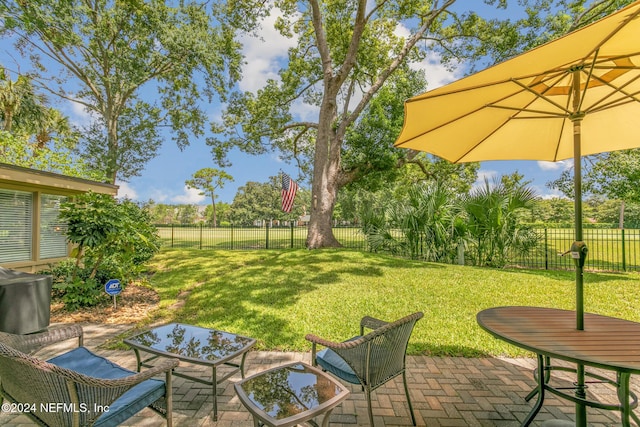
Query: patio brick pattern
(445, 391)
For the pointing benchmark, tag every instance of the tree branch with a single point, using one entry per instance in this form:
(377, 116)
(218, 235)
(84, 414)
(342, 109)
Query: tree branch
(399, 59)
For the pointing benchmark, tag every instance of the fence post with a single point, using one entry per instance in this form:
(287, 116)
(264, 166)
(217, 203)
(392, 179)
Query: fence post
(266, 228)
(291, 234)
(171, 234)
(624, 255)
(201, 235)
(460, 252)
(546, 250)
(231, 236)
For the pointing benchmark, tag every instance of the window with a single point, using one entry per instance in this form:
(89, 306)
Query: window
(15, 225)
(53, 242)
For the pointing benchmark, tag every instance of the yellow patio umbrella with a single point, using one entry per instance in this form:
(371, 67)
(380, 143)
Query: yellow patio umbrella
(574, 96)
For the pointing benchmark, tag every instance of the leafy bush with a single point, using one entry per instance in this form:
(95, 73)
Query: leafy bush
(80, 293)
(426, 225)
(72, 285)
(493, 229)
(114, 239)
(432, 223)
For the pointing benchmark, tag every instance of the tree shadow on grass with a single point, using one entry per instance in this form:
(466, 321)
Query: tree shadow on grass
(276, 296)
(245, 292)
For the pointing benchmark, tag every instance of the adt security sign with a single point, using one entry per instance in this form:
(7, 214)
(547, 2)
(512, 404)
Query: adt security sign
(112, 287)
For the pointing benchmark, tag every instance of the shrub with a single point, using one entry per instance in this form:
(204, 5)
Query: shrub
(113, 240)
(80, 293)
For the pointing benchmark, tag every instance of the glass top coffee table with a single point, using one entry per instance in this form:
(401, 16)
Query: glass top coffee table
(193, 344)
(289, 395)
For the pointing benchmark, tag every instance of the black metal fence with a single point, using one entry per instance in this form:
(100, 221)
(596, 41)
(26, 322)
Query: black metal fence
(609, 249)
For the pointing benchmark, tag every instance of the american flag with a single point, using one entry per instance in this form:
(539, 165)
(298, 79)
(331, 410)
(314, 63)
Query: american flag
(289, 189)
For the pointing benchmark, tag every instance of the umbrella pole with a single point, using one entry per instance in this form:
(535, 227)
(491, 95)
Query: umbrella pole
(576, 119)
(581, 409)
(580, 393)
(577, 183)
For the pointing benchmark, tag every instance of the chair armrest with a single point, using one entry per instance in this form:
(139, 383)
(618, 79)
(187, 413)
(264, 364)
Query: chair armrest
(333, 345)
(316, 340)
(99, 393)
(33, 342)
(371, 323)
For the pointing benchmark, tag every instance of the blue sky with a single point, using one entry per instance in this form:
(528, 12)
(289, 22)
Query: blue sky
(163, 178)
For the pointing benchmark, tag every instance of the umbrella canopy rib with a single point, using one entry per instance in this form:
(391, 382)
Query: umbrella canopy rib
(543, 97)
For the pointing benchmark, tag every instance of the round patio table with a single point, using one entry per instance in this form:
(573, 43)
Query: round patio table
(606, 343)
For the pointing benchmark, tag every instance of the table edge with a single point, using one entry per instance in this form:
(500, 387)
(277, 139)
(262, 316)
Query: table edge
(216, 362)
(552, 354)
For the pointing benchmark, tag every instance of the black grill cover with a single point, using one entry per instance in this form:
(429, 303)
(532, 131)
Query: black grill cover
(25, 301)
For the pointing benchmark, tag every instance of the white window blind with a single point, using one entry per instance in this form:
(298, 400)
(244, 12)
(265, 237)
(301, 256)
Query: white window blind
(53, 241)
(16, 209)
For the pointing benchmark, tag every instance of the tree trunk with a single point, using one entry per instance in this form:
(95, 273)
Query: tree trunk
(8, 119)
(320, 233)
(112, 150)
(213, 208)
(324, 190)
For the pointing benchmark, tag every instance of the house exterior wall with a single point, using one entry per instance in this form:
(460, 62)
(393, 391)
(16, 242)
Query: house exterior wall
(40, 186)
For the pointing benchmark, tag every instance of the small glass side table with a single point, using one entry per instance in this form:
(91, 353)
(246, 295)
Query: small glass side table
(193, 344)
(289, 395)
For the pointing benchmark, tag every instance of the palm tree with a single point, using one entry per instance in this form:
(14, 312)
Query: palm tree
(24, 113)
(18, 97)
(493, 228)
(427, 224)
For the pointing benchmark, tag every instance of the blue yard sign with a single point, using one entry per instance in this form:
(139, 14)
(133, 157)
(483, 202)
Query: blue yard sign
(112, 287)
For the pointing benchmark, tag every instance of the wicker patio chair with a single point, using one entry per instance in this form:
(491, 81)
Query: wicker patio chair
(77, 388)
(370, 360)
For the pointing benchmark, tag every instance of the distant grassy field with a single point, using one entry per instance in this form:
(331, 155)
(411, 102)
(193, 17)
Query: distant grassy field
(278, 296)
(249, 237)
(609, 250)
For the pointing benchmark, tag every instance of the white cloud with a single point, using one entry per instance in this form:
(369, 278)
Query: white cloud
(488, 175)
(158, 196)
(263, 54)
(126, 191)
(561, 165)
(305, 112)
(551, 194)
(190, 196)
(435, 72)
(79, 116)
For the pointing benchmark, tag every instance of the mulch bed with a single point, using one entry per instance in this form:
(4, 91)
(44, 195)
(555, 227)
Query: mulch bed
(132, 305)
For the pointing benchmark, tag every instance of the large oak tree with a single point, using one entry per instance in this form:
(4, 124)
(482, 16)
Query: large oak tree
(345, 52)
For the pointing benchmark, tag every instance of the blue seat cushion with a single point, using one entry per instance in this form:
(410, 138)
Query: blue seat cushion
(130, 403)
(329, 360)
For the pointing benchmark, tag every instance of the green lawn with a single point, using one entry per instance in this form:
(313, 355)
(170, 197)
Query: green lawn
(278, 296)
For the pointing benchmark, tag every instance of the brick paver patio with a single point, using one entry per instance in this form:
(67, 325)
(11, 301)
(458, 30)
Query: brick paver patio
(445, 391)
